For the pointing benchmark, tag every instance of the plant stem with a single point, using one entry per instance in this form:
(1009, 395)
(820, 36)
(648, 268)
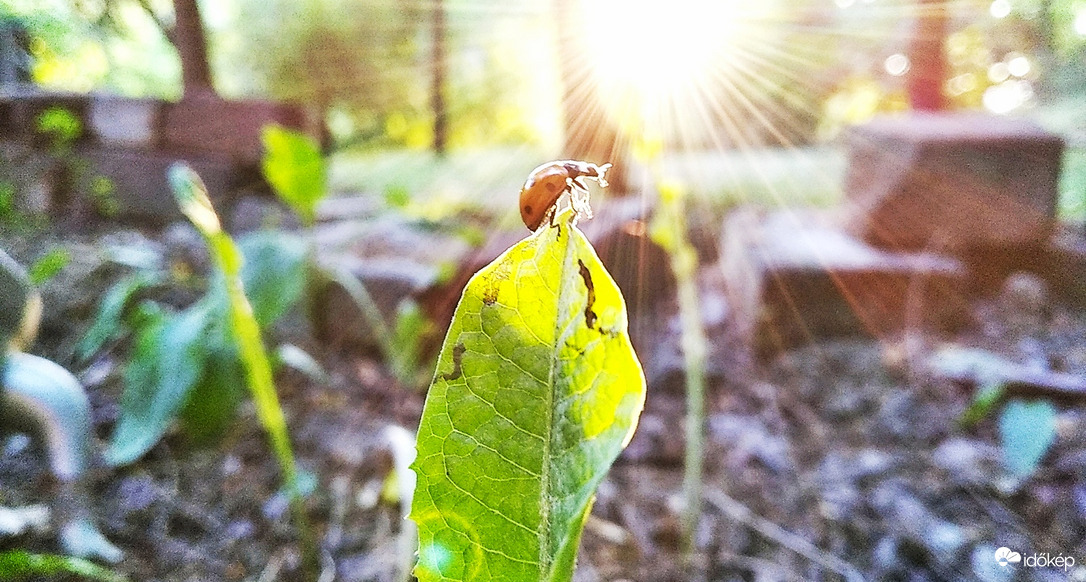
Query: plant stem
(694, 348)
(669, 231)
(191, 195)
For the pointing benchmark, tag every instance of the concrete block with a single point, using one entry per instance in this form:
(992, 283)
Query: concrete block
(125, 122)
(138, 180)
(212, 125)
(951, 181)
(795, 276)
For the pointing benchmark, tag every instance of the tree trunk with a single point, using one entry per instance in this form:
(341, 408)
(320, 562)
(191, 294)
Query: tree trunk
(188, 37)
(439, 72)
(927, 58)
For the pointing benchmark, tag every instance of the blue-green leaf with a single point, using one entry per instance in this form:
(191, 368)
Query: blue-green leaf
(107, 324)
(274, 273)
(1026, 429)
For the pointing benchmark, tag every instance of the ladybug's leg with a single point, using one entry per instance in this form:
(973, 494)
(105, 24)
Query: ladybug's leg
(552, 214)
(578, 197)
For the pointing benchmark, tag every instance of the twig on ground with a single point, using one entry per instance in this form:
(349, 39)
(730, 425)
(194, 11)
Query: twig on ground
(741, 513)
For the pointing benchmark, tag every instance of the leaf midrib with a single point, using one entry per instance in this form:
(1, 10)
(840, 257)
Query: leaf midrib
(546, 554)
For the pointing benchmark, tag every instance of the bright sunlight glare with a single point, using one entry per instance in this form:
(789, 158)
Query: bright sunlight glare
(655, 44)
(666, 67)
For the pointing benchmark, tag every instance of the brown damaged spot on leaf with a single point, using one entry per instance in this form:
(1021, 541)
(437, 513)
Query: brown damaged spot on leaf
(589, 315)
(458, 355)
(490, 295)
(490, 291)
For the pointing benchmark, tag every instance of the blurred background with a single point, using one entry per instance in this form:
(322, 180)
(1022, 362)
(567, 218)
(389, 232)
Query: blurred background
(867, 409)
(494, 84)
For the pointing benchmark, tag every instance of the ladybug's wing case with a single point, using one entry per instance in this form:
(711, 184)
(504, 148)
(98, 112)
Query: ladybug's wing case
(542, 189)
(546, 184)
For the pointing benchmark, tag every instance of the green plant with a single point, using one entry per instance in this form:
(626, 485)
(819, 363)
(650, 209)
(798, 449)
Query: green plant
(295, 169)
(21, 565)
(537, 390)
(297, 172)
(49, 265)
(1027, 427)
(245, 335)
(61, 126)
(184, 363)
(669, 230)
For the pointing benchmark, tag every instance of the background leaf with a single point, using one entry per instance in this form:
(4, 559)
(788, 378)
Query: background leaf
(1027, 429)
(295, 169)
(275, 273)
(108, 322)
(212, 405)
(536, 392)
(168, 361)
(47, 267)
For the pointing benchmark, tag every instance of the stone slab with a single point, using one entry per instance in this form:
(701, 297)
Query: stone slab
(1063, 266)
(138, 179)
(951, 181)
(230, 128)
(123, 121)
(795, 276)
(395, 259)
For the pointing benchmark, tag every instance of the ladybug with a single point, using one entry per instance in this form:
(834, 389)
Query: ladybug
(547, 183)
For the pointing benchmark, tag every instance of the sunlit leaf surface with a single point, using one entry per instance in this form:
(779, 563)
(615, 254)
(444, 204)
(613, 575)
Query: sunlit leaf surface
(536, 392)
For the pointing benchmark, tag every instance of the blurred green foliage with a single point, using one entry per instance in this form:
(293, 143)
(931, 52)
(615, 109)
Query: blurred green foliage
(49, 265)
(295, 169)
(183, 362)
(22, 565)
(61, 125)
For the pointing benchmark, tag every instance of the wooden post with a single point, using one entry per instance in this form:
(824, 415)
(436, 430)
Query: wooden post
(927, 58)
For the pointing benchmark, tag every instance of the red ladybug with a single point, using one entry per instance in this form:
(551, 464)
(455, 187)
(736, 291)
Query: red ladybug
(547, 183)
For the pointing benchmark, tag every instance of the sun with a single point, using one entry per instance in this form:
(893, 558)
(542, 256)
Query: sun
(654, 44)
(662, 68)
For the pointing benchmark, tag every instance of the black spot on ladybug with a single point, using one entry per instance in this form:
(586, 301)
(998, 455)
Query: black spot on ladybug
(528, 209)
(551, 187)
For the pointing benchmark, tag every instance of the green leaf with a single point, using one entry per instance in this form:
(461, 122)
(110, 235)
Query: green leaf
(274, 273)
(22, 565)
(295, 169)
(984, 401)
(49, 265)
(107, 324)
(212, 405)
(536, 392)
(168, 361)
(1026, 429)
